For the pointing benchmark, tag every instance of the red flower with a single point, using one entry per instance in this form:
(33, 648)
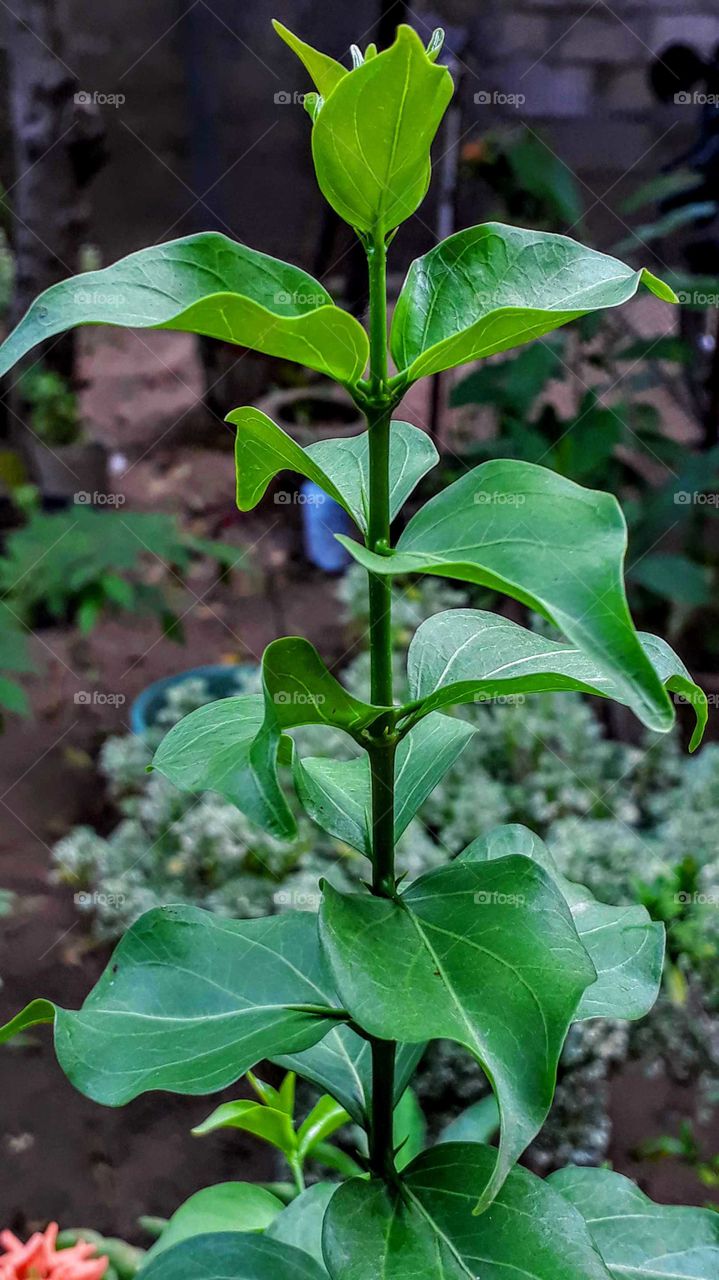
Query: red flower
(40, 1259)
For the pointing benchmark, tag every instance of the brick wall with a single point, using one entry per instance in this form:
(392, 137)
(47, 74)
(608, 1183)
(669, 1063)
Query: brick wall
(200, 81)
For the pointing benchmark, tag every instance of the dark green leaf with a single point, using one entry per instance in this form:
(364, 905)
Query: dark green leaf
(635, 1236)
(626, 947)
(674, 577)
(494, 287)
(557, 547)
(429, 1231)
(372, 138)
(189, 1002)
(468, 655)
(484, 954)
(342, 1064)
(229, 1206)
(337, 795)
(205, 284)
(409, 1129)
(233, 1255)
(478, 1123)
(339, 467)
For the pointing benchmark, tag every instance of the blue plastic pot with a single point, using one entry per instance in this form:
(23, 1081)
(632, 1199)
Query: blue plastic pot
(322, 518)
(223, 681)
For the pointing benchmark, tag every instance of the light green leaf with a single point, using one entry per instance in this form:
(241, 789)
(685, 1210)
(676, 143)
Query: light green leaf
(229, 1206)
(339, 467)
(300, 1224)
(478, 1123)
(189, 1002)
(625, 945)
(428, 1231)
(409, 1129)
(205, 284)
(337, 793)
(371, 140)
(209, 750)
(232, 1255)
(265, 1122)
(549, 543)
(467, 655)
(635, 1236)
(484, 954)
(493, 287)
(326, 74)
(325, 1118)
(342, 1064)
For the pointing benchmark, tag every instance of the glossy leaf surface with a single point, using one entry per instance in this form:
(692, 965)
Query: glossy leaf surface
(430, 1232)
(636, 1237)
(266, 1122)
(371, 140)
(493, 287)
(189, 1002)
(228, 1206)
(232, 1255)
(484, 954)
(205, 284)
(551, 544)
(341, 1064)
(468, 655)
(339, 467)
(325, 72)
(337, 793)
(625, 945)
(300, 1224)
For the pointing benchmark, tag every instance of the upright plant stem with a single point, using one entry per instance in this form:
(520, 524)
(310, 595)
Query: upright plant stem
(382, 754)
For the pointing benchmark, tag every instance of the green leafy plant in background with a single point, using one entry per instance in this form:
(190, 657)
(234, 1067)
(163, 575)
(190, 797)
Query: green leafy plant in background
(494, 950)
(52, 406)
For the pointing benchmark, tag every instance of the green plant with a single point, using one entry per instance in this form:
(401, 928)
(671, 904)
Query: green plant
(52, 403)
(496, 950)
(75, 565)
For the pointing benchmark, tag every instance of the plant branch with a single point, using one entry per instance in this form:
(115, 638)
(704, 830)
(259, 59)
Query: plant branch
(382, 749)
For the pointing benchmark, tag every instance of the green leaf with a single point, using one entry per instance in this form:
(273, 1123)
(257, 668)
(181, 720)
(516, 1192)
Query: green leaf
(232, 1255)
(637, 1237)
(325, 1118)
(300, 1224)
(326, 74)
(428, 1230)
(468, 655)
(209, 750)
(674, 577)
(337, 793)
(189, 1002)
(205, 284)
(371, 140)
(229, 1206)
(478, 1123)
(409, 1129)
(13, 697)
(339, 467)
(265, 1122)
(625, 945)
(342, 1064)
(493, 287)
(484, 954)
(549, 543)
